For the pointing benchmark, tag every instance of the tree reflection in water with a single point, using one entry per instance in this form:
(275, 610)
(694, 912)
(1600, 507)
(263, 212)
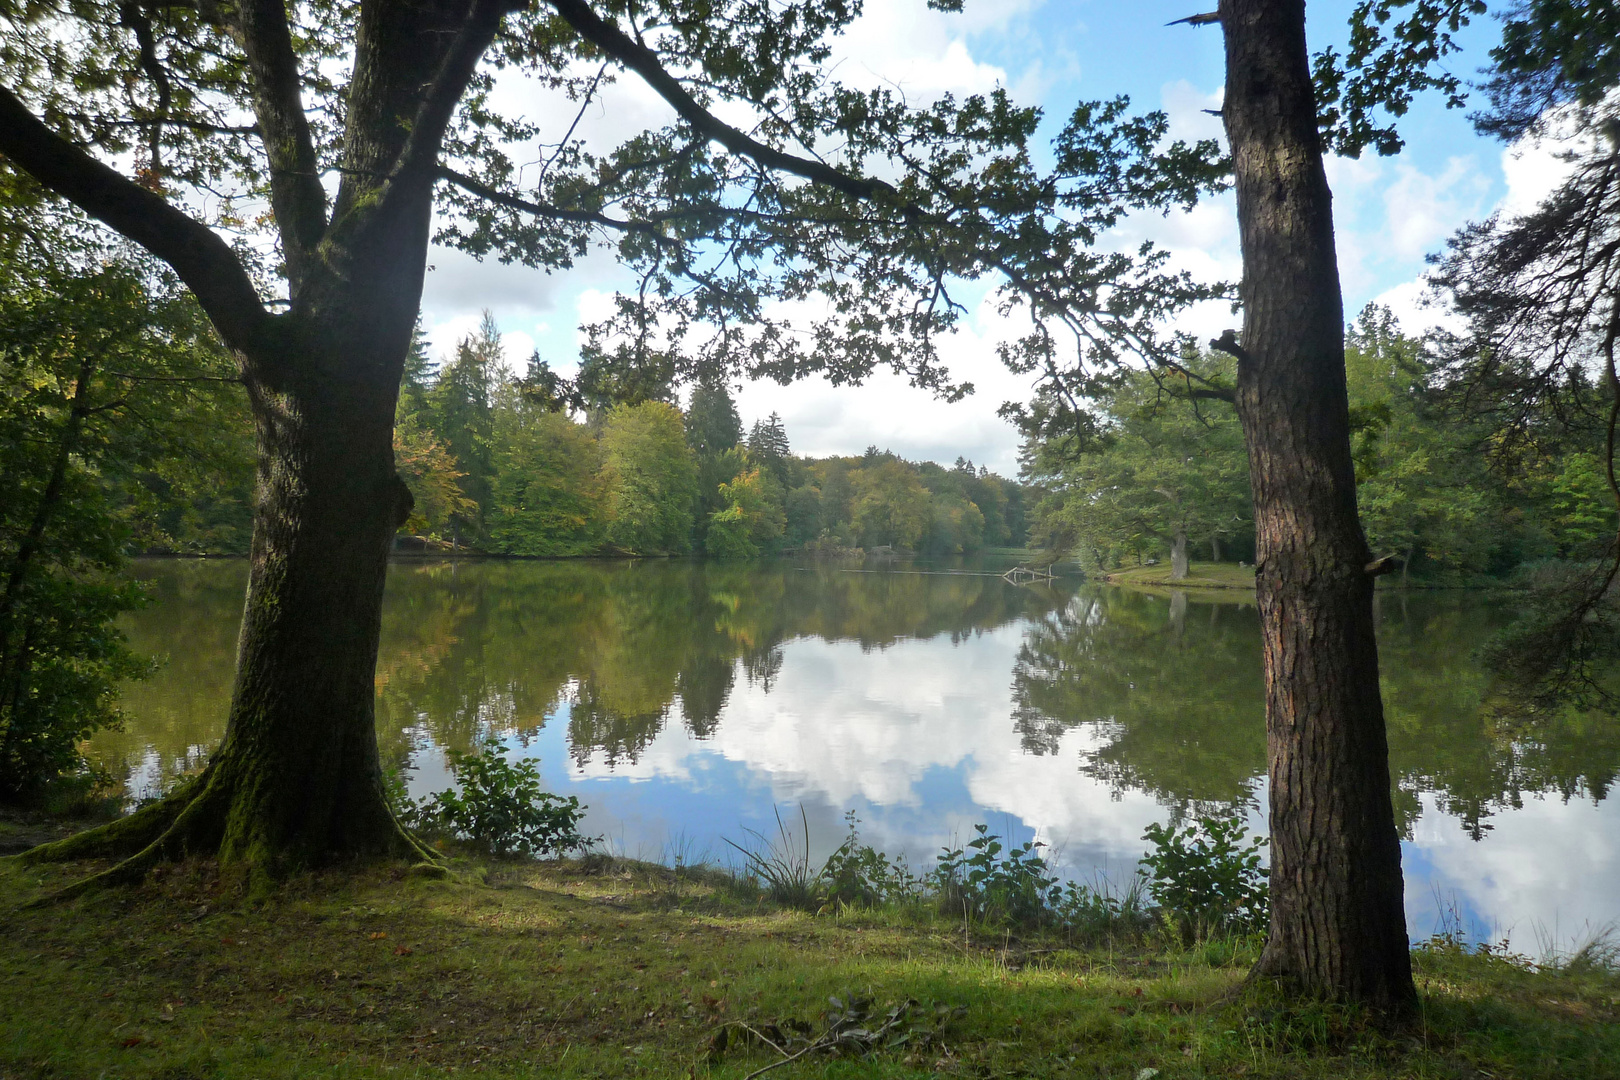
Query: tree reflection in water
(1163, 691)
(1170, 689)
(620, 648)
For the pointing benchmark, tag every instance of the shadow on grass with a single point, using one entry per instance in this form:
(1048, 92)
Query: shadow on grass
(606, 967)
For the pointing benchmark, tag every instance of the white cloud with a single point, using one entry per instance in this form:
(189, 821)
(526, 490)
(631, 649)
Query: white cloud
(1416, 310)
(923, 53)
(1533, 169)
(458, 283)
(1192, 111)
(887, 412)
(1422, 210)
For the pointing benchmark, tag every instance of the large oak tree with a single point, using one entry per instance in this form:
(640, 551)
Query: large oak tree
(334, 141)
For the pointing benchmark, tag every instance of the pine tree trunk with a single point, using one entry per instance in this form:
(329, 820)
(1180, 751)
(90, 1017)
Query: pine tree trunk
(1178, 556)
(1338, 926)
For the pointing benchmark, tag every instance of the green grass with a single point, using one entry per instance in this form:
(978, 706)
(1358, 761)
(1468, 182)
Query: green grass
(1200, 575)
(609, 969)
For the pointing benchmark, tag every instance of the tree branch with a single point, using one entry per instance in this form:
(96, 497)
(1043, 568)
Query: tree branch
(296, 193)
(417, 166)
(131, 16)
(1228, 344)
(547, 210)
(204, 261)
(645, 63)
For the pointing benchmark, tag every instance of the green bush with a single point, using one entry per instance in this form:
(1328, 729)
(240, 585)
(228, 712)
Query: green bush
(858, 875)
(1018, 887)
(1095, 912)
(1204, 877)
(1207, 876)
(60, 683)
(502, 808)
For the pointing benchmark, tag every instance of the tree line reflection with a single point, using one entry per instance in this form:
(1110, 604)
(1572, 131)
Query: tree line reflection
(1170, 692)
(630, 648)
(1163, 692)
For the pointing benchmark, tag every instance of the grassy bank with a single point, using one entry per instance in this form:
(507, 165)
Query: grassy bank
(609, 969)
(1200, 575)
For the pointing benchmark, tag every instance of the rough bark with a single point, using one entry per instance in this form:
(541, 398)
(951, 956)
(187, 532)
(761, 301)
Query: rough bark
(1338, 926)
(1178, 556)
(296, 780)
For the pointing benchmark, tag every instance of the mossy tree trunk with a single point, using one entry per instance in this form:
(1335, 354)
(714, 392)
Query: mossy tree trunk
(296, 781)
(300, 750)
(1338, 927)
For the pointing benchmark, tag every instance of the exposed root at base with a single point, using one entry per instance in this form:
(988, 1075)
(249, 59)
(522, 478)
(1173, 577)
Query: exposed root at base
(123, 837)
(188, 822)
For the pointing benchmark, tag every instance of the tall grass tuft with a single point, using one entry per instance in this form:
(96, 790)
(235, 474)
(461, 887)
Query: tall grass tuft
(782, 865)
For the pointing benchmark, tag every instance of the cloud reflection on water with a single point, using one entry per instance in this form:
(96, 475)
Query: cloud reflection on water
(684, 702)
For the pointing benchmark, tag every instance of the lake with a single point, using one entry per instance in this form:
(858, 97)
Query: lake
(687, 702)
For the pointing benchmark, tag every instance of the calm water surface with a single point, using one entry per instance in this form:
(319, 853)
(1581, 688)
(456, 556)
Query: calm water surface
(684, 702)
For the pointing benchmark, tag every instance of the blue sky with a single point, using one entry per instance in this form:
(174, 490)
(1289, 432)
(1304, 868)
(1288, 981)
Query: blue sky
(1390, 212)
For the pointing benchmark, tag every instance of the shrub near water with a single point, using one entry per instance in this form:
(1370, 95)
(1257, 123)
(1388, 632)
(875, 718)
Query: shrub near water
(1017, 887)
(858, 875)
(502, 808)
(985, 882)
(1205, 877)
(1208, 877)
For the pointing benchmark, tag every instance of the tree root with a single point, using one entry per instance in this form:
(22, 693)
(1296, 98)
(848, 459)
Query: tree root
(186, 816)
(189, 821)
(124, 837)
(415, 849)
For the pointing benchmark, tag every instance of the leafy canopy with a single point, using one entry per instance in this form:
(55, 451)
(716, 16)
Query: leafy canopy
(235, 113)
(111, 389)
